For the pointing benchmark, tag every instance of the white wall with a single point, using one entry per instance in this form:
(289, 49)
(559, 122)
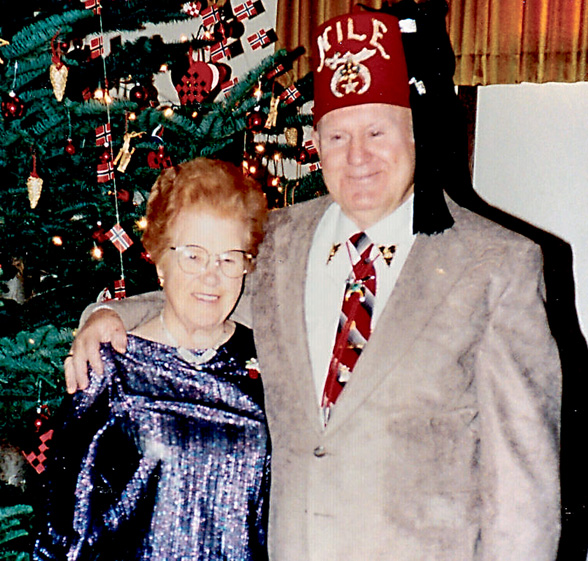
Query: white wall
(531, 160)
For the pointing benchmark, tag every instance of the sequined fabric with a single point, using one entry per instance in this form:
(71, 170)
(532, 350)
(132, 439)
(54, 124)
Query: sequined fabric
(161, 461)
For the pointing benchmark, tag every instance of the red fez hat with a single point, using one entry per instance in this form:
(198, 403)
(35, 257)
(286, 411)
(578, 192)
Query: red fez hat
(359, 59)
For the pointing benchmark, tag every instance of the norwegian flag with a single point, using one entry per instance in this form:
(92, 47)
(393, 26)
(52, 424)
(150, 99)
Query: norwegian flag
(219, 51)
(96, 47)
(210, 16)
(120, 290)
(119, 238)
(275, 72)
(262, 39)
(227, 86)
(310, 147)
(93, 5)
(245, 11)
(105, 172)
(224, 50)
(192, 8)
(315, 167)
(103, 135)
(290, 95)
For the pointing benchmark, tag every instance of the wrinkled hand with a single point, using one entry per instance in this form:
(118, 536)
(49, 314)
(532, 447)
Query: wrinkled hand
(103, 326)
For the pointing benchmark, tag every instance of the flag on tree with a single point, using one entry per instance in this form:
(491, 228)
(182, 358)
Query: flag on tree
(119, 238)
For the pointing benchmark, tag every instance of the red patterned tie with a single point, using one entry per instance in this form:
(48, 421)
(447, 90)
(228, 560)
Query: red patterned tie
(354, 323)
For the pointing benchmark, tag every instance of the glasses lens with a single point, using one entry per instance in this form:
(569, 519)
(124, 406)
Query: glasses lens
(193, 259)
(233, 263)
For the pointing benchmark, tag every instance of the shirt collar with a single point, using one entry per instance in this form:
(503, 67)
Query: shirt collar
(394, 229)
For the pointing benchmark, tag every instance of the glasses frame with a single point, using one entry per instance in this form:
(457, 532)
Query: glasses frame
(217, 259)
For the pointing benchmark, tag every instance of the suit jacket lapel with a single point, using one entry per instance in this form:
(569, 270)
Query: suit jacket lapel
(291, 253)
(431, 269)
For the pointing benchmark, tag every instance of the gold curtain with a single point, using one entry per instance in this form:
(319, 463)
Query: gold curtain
(495, 41)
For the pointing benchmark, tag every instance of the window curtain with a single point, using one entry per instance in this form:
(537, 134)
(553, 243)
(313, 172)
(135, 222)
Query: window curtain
(495, 41)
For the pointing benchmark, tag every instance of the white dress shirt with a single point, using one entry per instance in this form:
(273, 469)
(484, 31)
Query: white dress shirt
(326, 278)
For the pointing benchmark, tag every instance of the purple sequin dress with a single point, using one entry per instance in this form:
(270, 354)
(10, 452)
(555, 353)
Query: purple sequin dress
(160, 460)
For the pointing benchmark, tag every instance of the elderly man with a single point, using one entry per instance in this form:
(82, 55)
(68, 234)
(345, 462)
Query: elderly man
(412, 383)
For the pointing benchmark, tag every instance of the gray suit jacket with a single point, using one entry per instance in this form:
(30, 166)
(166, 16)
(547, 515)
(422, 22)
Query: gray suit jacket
(444, 444)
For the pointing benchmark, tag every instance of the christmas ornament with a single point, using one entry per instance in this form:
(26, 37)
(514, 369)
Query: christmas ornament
(198, 81)
(302, 156)
(158, 159)
(69, 147)
(34, 185)
(120, 290)
(105, 157)
(37, 456)
(124, 155)
(57, 71)
(3, 43)
(272, 117)
(138, 94)
(291, 134)
(103, 135)
(255, 121)
(123, 195)
(12, 107)
(119, 238)
(192, 8)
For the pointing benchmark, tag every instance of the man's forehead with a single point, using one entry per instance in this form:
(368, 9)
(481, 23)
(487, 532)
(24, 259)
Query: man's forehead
(365, 114)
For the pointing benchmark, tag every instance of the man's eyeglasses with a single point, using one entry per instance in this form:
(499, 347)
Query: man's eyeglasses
(194, 260)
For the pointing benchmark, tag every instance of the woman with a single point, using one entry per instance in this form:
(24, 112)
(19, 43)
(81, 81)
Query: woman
(173, 458)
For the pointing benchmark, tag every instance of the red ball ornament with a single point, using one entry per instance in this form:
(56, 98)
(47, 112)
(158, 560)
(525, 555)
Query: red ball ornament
(69, 147)
(158, 159)
(12, 107)
(255, 121)
(106, 156)
(123, 195)
(139, 95)
(303, 156)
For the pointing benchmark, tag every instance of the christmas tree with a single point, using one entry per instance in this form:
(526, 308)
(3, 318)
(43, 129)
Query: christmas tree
(84, 132)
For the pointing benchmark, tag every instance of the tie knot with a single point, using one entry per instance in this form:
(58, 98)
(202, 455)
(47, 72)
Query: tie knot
(362, 244)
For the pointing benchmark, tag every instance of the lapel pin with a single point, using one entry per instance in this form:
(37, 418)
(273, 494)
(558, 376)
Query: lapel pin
(387, 253)
(334, 250)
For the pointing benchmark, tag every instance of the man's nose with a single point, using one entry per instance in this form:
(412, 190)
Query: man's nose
(357, 153)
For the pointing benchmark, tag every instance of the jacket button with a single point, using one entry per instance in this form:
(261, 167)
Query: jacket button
(319, 451)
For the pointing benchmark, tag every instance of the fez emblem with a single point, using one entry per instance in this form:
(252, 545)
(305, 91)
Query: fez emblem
(350, 75)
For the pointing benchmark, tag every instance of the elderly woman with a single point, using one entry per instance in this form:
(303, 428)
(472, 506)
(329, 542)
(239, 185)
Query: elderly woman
(171, 459)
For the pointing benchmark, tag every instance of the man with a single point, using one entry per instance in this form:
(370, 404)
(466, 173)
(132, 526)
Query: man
(418, 420)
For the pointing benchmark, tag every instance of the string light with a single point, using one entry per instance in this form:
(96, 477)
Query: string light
(142, 223)
(96, 252)
(57, 241)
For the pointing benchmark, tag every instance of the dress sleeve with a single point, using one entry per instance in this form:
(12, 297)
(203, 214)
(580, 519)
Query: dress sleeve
(77, 420)
(519, 379)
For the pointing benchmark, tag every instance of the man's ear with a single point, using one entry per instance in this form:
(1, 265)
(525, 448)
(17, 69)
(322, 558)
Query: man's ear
(315, 137)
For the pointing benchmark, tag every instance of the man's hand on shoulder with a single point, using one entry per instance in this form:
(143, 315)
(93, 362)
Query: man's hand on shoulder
(103, 326)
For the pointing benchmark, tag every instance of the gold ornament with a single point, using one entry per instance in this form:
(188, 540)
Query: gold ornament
(124, 155)
(58, 74)
(273, 113)
(34, 186)
(3, 43)
(291, 134)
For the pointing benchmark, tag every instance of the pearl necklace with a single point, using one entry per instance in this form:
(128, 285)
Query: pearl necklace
(190, 357)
